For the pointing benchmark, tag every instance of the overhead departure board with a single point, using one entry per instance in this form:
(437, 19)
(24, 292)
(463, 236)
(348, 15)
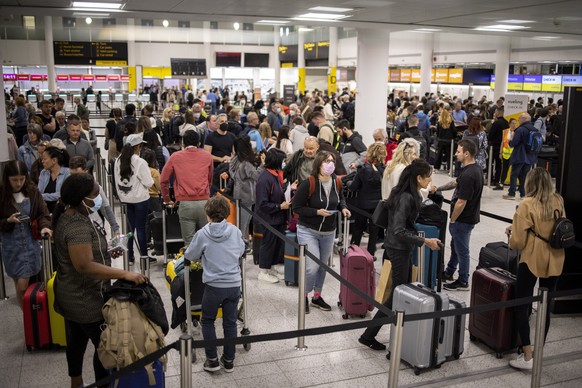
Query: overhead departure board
(90, 53)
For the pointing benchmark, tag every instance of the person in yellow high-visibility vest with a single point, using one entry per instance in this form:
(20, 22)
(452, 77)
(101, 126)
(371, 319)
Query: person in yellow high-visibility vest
(505, 153)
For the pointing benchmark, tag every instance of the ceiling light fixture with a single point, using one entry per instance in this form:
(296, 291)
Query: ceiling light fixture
(330, 9)
(286, 31)
(274, 22)
(88, 20)
(92, 14)
(236, 26)
(84, 4)
(281, 31)
(315, 20)
(323, 16)
(545, 37)
(165, 23)
(491, 29)
(516, 21)
(304, 29)
(506, 27)
(428, 30)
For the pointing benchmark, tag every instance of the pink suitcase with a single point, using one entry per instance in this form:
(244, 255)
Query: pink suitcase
(357, 267)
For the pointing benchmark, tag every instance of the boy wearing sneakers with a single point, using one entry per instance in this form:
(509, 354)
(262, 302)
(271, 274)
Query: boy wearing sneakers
(219, 245)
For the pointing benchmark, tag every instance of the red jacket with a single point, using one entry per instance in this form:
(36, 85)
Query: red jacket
(192, 169)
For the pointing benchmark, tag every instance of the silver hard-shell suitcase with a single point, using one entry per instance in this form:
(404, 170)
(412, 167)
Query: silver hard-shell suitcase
(455, 331)
(423, 343)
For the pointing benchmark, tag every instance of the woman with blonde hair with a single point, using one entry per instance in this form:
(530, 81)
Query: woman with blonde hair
(368, 183)
(404, 154)
(532, 225)
(167, 117)
(445, 135)
(266, 134)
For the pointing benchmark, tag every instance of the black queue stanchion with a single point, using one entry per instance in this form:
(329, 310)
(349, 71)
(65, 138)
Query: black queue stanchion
(395, 350)
(2, 282)
(186, 352)
(538, 353)
(124, 232)
(302, 299)
(245, 329)
(452, 159)
(421, 261)
(490, 166)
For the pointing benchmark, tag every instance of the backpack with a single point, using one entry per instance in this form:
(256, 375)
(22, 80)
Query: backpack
(423, 146)
(562, 233)
(338, 184)
(336, 136)
(128, 336)
(422, 125)
(534, 142)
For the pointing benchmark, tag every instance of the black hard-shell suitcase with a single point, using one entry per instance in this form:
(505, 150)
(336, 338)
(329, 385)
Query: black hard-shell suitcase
(498, 255)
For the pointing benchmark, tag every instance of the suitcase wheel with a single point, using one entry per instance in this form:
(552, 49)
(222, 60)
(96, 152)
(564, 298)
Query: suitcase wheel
(472, 337)
(193, 357)
(247, 347)
(388, 355)
(183, 327)
(339, 304)
(457, 356)
(363, 316)
(499, 355)
(29, 348)
(416, 371)
(345, 316)
(437, 366)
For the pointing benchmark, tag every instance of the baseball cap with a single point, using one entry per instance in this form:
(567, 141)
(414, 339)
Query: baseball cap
(134, 140)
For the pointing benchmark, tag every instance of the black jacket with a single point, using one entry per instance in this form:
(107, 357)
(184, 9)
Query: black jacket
(269, 197)
(120, 130)
(495, 135)
(401, 233)
(368, 184)
(306, 207)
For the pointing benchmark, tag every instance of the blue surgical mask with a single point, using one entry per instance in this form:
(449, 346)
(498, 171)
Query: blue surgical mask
(97, 202)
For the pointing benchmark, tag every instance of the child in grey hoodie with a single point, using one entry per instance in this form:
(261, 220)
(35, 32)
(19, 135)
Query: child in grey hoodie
(219, 245)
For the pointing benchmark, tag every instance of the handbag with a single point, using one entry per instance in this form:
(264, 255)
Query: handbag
(380, 215)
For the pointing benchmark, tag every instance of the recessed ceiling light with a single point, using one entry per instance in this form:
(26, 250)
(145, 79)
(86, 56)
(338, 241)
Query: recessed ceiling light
(88, 20)
(545, 37)
(304, 29)
(275, 22)
(516, 21)
(490, 29)
(236, 25)
(92, 14)
(428, 29)
(506, 27)
(83, 4)
(315, 20)
(330, 9)
(165, 23)
(322, 16)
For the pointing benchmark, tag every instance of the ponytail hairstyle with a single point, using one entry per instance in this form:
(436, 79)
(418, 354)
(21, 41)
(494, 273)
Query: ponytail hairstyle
(125, 169)
(408, 183)
(74, 189)
(61, 155)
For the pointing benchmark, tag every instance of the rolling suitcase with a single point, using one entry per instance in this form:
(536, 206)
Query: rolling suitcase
(432, 259)
(140, 378)
(498, 255)
(455, 331)
(166, 232)
(258, 230)
(494, 328)
(291, 258)
(357, 267)
(423, 342)
(56, 320)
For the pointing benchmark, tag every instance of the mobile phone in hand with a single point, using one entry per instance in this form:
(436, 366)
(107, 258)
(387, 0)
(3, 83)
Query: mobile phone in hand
(23, 218)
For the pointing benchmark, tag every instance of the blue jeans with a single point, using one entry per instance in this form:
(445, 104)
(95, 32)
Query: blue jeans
(321, 246)
(137, 215)
(211, 300)
(518, 171)
(460, 236)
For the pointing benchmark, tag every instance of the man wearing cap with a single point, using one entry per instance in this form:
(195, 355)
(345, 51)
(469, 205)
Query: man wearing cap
(77, 146)
(192, 170)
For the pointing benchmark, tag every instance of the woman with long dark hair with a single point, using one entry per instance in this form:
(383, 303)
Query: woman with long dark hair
(152, 142)
(403, 206)
(22, 204)
(283, 141)
(83, 273)
(132, 181)
(55, 162)
(110, 127)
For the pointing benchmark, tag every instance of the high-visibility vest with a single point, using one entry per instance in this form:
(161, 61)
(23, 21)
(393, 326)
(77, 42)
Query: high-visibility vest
(506, 150)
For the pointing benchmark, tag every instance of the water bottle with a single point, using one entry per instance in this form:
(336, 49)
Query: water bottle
(120, 242)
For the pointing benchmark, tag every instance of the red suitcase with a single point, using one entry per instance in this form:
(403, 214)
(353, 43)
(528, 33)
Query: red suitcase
(37, 331)
(495, 328)
(357, 267)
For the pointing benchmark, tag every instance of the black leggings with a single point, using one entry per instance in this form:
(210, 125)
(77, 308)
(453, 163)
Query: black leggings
(525, 286)
(401, 271)
(272, 248)
(78, 335)
(360, 223)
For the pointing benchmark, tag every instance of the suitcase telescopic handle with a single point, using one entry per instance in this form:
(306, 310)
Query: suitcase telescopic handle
(346, 227)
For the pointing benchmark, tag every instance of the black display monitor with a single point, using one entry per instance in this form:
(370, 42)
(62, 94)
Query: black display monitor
(256, 60)
(224, 59)
(188, 67)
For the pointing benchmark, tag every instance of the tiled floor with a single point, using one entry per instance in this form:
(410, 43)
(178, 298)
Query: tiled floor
(333, 360)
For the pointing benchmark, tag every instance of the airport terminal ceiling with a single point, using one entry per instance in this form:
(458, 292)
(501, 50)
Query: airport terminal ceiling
(527, 18)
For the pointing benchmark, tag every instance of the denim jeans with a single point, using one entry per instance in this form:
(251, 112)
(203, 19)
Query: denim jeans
(460, 237)
(192, 218)
(212, 299)
(321, 246)
(137, 215)
(518, 171)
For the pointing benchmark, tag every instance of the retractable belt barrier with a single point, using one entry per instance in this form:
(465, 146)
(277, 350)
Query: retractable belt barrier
(487, 214)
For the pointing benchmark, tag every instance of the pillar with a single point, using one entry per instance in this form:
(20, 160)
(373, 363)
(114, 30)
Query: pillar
(372, 85)
(332, 62)
(210, 61)
(426, 63)
(502, 67)
(300, 60)
(277, 62)
(3, 125)
(135, 80)
(50, 54)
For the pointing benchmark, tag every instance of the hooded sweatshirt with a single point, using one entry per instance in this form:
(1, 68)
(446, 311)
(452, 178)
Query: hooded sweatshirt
(219, 245)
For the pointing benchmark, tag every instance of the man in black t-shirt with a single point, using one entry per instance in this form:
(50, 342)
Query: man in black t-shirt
(220, 144)
(464, 215)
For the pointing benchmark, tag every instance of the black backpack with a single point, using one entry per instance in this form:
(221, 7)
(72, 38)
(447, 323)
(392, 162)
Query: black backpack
(423, 146)
(562, 234)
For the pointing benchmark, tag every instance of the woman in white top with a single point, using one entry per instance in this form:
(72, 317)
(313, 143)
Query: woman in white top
(132, 182)
(404, 154)
(283, 141)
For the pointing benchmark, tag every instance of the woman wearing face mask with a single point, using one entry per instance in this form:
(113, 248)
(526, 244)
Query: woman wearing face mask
(83, 273)
(403, 207)
(318, 221)
(21, 203)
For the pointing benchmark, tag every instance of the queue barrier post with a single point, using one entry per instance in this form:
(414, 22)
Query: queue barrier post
(186, 360)
(452, 158)
(124, 232)
(245, 329)
(490, 166)
(302, 299)
(2, 282)
(110, 191)
(396, 349)
(540, 333)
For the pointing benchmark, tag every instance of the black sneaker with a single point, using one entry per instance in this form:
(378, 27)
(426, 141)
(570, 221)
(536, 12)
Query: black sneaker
(457, 285)
(211, 365)
(372, 344)
(447, 278)
(153, 260)
(132, 261)
(306, 305)
(320, 304)
(498, 187)
(227, 365)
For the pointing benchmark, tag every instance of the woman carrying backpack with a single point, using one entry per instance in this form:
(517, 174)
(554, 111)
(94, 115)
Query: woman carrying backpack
(538, 260)
(84, 271)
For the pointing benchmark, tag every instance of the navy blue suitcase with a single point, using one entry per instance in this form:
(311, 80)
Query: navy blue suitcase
(140, 378)
(432, 258)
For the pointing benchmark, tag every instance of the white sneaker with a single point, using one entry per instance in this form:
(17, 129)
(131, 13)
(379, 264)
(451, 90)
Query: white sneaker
(267, 277)
(521, 363)
(275, 273)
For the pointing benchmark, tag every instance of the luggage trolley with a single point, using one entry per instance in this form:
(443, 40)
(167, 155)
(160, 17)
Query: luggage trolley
(171, 240)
